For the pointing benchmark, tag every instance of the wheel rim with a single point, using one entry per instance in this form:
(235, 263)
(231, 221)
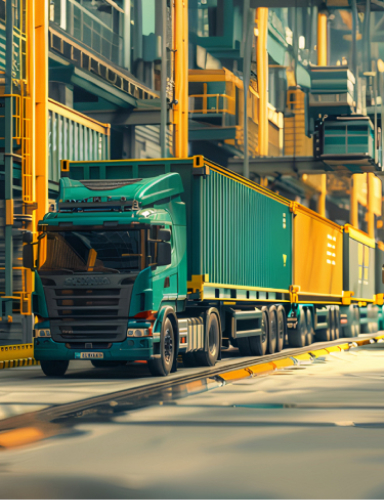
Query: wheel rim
(168, 346)
(212, 340)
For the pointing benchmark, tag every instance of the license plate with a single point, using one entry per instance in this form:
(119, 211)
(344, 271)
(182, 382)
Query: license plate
(89, 355)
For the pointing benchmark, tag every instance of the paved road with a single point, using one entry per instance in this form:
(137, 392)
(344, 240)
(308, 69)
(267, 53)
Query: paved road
(314, 431)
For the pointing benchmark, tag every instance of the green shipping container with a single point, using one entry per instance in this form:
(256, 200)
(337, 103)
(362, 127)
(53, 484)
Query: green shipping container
(238, 233)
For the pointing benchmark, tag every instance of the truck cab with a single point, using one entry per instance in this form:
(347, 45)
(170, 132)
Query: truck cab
(110, 274)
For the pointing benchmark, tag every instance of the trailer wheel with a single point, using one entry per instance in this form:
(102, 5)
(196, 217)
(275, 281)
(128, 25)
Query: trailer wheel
(310, 331)
(258, 344)
(209, 355)
(297, 336)
(272, 330)
(54, 368)
(162, 365)
(352, 328)
(336, 323)
(281, 327)
(325, 334)
(357, 329)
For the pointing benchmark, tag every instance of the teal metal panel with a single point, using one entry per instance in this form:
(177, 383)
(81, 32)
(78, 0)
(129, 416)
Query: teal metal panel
(68, 140)
(349, 137)
(243, 235)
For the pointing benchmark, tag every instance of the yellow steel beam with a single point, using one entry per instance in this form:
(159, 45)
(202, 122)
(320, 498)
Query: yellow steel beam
(371, 205)
(322, 60)
(181, 78)
(354, 214)
(322, 195)
(322, 45)
(262, 78)
(41, 108)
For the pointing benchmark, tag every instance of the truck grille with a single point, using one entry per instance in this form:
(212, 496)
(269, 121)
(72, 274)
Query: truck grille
(88, 314)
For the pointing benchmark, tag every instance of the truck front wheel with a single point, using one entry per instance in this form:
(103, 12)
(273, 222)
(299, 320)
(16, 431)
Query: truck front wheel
(54, 368)
(209, 355)
(162, 365)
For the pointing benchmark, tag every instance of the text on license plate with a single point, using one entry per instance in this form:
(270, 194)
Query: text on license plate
(89, 355)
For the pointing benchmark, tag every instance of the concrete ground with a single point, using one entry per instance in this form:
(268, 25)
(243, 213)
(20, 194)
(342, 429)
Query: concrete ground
(313, 431)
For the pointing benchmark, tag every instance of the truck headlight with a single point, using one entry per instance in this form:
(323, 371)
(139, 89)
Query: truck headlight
(139, 332)
(42, 333)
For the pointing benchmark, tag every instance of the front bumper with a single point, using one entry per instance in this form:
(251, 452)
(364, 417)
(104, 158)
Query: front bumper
(129, 350)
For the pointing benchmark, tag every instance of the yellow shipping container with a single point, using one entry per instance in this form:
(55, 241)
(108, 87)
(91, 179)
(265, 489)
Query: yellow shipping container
(317, 255)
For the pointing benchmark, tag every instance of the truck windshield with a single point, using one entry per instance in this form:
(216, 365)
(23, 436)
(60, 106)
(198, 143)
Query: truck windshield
(93, 251)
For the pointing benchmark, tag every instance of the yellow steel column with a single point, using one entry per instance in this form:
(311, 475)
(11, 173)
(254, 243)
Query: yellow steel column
(322, 195)
(29, 131)
(262, 78)
(181, 78)
(31, 54)
(41, 109)
(322, 60)
(322, 45)
(371, 204)
(354, 213)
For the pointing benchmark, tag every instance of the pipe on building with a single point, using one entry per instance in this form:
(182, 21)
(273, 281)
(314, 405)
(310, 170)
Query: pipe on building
(41, 109)
(322, 60)
(163, 81)
(181, 78)
(262, 78)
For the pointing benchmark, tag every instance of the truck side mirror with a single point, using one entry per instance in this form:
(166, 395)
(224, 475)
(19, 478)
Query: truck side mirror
(28, 257)
(164, 254)
(164, 235)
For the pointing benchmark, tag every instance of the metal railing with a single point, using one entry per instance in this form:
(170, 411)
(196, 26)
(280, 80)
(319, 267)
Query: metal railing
(212, 103)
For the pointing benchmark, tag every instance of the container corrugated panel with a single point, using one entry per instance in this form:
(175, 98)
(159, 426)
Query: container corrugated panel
(17, 256)
(318, 254)
(379, 263)
(243, 236)
(70, 140)
(359, 264)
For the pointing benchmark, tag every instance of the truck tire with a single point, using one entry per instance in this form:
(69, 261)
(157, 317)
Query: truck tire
(54, 368)
(259, 344)
(256, 346)
(281, 327)
(325, 334)
(272, 330)
(297, 337)
(209, 355)
(336, 323)
(162, 365)
(353, 318)
(310, 330)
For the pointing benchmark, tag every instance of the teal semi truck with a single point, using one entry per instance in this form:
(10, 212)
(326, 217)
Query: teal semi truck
(152, 259)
